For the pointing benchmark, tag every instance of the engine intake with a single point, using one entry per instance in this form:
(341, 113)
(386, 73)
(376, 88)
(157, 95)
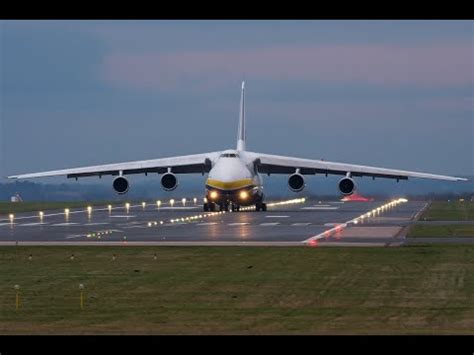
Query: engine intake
(347, 186)
(169, 182)
(296, 182)
(121, 185)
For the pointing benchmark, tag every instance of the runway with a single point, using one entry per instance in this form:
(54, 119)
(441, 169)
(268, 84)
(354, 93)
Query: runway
(294, 222)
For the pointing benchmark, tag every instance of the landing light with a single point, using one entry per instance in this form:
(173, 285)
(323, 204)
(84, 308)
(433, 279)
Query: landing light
(213, 194)
(244, 195)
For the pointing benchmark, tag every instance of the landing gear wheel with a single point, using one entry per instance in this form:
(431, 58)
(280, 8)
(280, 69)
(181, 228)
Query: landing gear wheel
(235, 207)
(212, 206)
(259, 206)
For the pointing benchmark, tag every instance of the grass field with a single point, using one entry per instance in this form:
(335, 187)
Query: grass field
(445, 211)
(232, 290)
(18, 207)
(449, 211)
(447, 230)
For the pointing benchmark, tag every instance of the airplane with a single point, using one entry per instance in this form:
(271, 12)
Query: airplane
(234, 175)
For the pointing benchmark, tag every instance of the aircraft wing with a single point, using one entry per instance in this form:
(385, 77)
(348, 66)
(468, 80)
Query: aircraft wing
(187, 164)
(276, 164)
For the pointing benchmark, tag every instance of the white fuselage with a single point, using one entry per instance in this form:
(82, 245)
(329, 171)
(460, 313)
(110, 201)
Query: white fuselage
(233, 179)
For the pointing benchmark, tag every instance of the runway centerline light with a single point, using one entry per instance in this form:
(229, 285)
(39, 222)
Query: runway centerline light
(183, 200)
(172, 202)
(158, 203)
(143, 204)
(109, 208)
(195, 200)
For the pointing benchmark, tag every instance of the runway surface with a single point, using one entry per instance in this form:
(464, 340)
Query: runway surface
(296, 222)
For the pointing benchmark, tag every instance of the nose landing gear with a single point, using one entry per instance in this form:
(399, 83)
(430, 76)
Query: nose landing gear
(209, 207)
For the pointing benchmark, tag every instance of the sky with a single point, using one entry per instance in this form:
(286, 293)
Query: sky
(394, 94)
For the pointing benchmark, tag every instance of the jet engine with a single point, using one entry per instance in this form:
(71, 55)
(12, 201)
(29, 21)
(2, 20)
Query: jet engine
(121, 185)
(347, 186)
(169, 181)
(296, 182)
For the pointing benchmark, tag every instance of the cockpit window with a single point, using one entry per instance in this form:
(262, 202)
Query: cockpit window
(229, 155)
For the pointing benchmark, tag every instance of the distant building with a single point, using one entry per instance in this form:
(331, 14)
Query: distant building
(16, 198)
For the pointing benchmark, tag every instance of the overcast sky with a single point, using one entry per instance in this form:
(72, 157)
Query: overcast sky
(395, 94)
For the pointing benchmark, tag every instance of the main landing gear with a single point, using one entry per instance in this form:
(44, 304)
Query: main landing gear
(211, 207)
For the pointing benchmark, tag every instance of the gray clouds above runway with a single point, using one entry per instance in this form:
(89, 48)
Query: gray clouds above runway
(391, 93)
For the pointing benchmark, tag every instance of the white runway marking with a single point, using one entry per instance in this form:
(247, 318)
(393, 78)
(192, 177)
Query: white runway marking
(122, 216)
(319, 208)
(238, 224)
(95, 224)
(331, 224)
(301, 224)
(178, 208)
(270, 224)
(273, 216)
(7, 224)
(341, 202)
(206, 224)
(320, 205)
(64, 224)
(75, 236)
(32, 224)
(130, 227)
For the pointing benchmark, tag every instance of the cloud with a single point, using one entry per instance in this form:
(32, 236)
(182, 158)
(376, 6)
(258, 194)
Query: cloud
(430, 65)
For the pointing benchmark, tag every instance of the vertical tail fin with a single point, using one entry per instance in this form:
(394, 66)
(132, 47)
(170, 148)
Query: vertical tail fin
(241, 134)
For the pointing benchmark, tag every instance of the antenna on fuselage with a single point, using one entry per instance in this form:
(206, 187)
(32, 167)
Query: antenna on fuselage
(241, 133)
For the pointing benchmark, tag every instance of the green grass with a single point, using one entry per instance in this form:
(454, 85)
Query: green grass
(448, 230)
(232, 290)
(449, 211)
(18, 207)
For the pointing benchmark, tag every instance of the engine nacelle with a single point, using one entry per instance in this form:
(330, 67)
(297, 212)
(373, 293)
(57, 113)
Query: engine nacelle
(347, 186)
(169, 181)
(121, 185)
(296, 182)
